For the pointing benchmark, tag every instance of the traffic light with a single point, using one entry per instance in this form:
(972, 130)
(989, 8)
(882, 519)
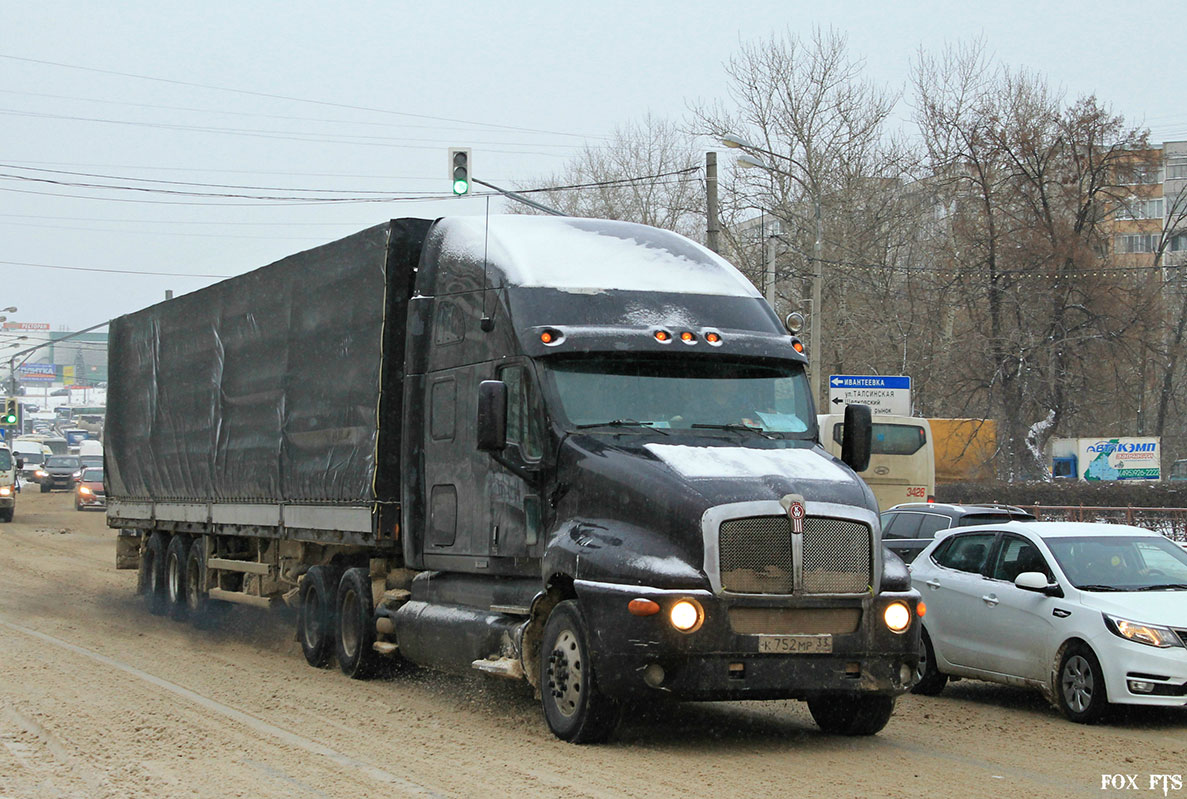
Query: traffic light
(10, 412)
(459, 170)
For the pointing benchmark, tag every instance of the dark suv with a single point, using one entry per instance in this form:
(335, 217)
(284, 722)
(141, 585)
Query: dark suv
(908, 528)
(58, 472)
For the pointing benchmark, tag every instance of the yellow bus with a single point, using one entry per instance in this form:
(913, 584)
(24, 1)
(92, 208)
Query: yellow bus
(902, 457)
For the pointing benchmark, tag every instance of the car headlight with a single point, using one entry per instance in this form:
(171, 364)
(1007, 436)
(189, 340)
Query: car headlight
(41, 473)
(1150, 634)
(86, 492)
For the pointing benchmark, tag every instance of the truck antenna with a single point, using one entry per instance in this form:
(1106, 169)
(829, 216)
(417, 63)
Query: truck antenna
(486, 323)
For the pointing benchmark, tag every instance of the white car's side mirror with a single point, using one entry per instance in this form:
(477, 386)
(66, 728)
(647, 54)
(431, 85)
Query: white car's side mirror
(1031, 581)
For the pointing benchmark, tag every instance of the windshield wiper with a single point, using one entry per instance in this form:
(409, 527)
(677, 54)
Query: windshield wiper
(735, 426)
(1164, 587)
(624, 423)
(1096, 587)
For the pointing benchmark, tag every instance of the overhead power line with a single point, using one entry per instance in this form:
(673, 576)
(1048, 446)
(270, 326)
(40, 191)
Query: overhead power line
(289, 98)
(112, 271)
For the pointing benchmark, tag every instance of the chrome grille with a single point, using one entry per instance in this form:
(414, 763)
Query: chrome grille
(755, 555)
(836, 556)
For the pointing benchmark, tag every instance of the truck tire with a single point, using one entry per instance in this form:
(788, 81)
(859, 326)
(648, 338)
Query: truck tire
(315, 621)
(6, 514)
(356, 625)
(574, 707)
(851, 713)
(929, 680)
(152, 574)
(197, 603)
(175, 559)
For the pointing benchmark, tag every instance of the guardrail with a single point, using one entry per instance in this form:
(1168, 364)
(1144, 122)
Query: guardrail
(1171, 522)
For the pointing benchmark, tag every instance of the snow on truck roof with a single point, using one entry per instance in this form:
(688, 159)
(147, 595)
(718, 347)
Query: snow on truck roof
(590, 255)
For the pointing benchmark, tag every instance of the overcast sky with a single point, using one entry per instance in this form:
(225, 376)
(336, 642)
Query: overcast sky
(363, 99)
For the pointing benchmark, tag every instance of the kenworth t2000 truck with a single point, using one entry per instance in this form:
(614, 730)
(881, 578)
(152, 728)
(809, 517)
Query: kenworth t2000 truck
(577, 452)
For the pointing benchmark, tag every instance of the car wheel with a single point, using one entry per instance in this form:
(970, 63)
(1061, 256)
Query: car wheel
(929, 680)
(315, 622)
(851, 714)
(574, 707)
(356, 625)
(1080, 685)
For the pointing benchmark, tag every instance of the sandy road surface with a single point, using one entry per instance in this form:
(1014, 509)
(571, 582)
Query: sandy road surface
(100, 699)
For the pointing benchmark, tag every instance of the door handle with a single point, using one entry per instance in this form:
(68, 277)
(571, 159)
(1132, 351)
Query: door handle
(933, 583)
(990, 599)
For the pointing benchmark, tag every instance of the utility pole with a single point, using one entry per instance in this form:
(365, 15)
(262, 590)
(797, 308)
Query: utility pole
(712, 227)
(816, 354)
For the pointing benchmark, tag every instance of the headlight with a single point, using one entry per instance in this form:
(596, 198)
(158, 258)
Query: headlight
(86, 492)
(897, 617)
(686, 615)
(5, 491)
(41, 473)
(1149, 634)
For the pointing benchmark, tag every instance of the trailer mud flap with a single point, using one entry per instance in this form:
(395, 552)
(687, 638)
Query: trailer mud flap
(127, 549)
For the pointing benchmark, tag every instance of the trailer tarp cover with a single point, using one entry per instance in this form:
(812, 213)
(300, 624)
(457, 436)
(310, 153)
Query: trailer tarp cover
(261, 388)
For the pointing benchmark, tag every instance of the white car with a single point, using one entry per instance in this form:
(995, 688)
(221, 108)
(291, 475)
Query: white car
(1090, 614)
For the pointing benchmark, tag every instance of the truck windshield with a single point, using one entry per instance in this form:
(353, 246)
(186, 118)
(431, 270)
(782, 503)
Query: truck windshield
(683, 394)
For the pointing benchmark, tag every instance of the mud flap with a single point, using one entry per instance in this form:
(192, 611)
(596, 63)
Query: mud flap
(127, 549)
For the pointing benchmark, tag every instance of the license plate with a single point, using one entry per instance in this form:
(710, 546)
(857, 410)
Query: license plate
(796, 644)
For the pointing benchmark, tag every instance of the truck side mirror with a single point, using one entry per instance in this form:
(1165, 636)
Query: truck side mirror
(492, 416)
(857, 438)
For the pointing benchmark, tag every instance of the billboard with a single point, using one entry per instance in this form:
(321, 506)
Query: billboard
(1120, 458)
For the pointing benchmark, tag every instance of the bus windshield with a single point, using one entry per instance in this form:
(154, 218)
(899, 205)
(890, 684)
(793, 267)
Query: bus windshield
(683, 394)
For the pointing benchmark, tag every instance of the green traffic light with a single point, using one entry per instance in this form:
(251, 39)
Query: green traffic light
(461, 186)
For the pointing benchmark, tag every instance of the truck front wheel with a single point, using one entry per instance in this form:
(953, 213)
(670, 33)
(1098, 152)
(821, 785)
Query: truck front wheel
(575, 709)
(315, 622)
(851, 714)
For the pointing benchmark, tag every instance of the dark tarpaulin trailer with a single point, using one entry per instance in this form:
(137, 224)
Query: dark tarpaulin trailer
(279, 386)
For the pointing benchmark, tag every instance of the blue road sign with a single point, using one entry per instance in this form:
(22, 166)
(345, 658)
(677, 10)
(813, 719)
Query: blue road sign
(869, 381)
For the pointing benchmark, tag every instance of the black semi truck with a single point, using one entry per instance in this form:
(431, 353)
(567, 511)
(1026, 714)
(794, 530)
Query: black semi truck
(577, 452)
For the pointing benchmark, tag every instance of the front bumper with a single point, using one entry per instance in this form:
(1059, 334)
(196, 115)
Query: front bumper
(715, 662)
(1124, 662)
(91, 501)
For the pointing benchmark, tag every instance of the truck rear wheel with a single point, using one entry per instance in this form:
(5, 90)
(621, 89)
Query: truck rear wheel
(574, 708)
(851, 714)
(176, 555)
(315, 622)
(152, 574)
(197, 603)
(356, 625)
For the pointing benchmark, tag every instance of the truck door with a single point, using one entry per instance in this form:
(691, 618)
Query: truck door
(514, 504)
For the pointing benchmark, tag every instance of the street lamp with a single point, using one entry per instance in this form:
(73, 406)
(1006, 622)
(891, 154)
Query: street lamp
(748, 161)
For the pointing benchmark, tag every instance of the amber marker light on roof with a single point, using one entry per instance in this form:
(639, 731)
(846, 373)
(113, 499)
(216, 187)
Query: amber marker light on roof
(663, 335)
(712, 338)
(687, 337)
(546, 337)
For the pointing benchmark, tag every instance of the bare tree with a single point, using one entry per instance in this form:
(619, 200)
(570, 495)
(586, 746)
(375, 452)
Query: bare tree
(649, 172)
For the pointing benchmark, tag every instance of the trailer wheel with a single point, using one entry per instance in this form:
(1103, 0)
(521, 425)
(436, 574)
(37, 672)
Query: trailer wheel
(176, 555)
(315, 622)
(356, 625)
(197, 603)
(851, 713)
(574, 707)
(152, 574)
